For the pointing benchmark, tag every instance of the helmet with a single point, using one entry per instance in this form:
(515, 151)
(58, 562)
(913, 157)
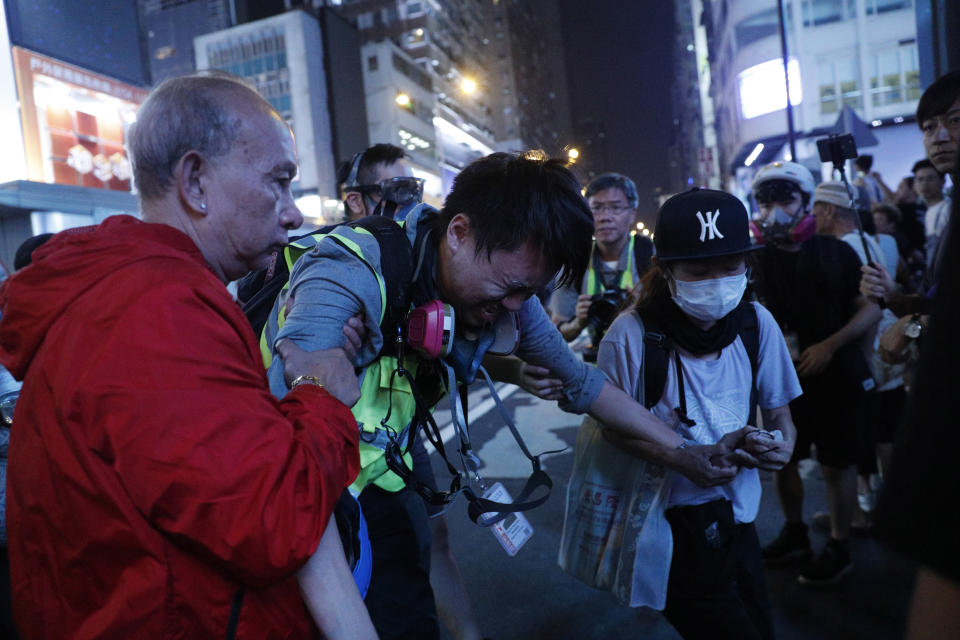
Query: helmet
(790, 171)
(781, 227)
(701, 223)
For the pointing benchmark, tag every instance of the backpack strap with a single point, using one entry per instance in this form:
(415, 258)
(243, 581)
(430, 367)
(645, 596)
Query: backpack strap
(396, 266)
(750, 336)
(656, 353)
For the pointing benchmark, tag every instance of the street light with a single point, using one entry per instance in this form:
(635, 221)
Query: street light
(468, 85)
(403, 99)
(573, 153)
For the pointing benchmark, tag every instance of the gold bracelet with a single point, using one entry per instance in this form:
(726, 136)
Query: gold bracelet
(314, 380)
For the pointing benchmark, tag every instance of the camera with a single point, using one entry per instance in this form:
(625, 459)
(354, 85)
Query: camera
(603, 309)
(837, 149)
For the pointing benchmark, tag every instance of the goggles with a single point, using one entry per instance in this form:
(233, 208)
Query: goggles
(402, 190)
(775, 191)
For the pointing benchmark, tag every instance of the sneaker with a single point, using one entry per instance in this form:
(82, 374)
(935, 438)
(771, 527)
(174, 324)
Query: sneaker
(829, 567)
(791, 546)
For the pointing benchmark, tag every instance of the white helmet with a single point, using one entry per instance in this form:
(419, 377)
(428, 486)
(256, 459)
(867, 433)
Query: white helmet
(791, 171)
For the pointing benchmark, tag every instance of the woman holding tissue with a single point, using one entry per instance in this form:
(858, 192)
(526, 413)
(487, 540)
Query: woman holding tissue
(702, 359)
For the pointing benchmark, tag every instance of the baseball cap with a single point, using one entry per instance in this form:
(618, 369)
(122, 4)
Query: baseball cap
(834, 193)
(702, 223)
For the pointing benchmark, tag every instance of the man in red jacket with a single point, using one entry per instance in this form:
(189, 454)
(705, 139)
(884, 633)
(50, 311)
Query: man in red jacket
(156, 487)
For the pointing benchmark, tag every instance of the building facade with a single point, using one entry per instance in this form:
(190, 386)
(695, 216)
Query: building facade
(283, 57)
(532, 108)
(860, 54)
(65, 118)
(169, 27)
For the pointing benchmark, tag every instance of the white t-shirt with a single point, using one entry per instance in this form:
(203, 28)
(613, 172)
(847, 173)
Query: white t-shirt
(936, 218)
(853, 239)
(717, 393)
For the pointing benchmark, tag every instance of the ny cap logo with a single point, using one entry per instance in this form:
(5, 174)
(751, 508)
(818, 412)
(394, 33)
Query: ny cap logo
(710, 224)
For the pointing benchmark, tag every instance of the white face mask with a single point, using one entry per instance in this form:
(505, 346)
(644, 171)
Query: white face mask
(710, 300)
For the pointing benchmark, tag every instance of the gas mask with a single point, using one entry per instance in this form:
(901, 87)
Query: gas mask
(431, 331)
(780, 228)
(398, 196)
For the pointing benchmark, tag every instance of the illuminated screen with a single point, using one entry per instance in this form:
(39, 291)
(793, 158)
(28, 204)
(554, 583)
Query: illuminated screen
(74, 123)
(762, 89)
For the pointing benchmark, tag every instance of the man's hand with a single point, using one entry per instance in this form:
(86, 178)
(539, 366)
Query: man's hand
(875, 282)
(331, 366)
(583, 307)
(734, 454)
(537, 380)
(764, 450)
(706, 465)
(814, 359)
(703, 464)
(355, 333)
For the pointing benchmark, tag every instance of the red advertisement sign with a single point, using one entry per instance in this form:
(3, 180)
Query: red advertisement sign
(74, 122)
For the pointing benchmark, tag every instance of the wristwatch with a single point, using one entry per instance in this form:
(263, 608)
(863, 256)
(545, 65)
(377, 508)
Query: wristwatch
(314, 380)
(914, 328)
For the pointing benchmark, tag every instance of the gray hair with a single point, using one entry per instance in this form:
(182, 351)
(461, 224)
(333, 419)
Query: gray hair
(198, 112)
(614, 181)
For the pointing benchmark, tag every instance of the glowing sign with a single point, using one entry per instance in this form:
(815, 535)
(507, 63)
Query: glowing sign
(74, 123)
(762, 89)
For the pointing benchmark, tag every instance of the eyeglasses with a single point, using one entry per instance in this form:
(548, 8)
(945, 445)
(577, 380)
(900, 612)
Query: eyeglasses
(950, 122)
(402, 189)
(612, 207)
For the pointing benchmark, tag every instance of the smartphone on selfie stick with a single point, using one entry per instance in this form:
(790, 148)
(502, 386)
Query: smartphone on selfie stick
(837, 149)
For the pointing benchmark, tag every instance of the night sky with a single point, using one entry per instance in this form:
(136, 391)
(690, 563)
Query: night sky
(619, 64)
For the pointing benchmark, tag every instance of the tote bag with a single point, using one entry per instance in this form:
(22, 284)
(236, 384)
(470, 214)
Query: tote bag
(615, 536)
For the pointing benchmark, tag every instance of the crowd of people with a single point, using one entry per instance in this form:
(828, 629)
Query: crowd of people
(183, 466)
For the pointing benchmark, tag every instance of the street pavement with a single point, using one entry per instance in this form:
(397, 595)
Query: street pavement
(529, 597)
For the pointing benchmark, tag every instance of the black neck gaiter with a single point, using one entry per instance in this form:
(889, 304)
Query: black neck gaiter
(688, 336)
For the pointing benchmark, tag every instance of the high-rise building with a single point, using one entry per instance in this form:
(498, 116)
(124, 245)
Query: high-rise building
(693, 152)
(532, 108)
(853, 65)
(401, 107)
(169, 27)
(447, 38)
(283, 56)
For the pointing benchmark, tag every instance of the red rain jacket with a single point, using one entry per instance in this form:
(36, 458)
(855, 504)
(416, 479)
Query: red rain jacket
(155, 485)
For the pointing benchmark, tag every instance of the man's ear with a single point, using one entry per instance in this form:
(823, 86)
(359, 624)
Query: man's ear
(188, 174)
(458, 230)
(354, 204)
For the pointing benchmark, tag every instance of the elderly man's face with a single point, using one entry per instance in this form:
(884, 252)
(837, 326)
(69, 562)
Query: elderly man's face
(941, 138)
(249, 192)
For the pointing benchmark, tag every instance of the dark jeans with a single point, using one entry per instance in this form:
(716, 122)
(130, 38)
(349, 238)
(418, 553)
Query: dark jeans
(400, 600)
(717, 588)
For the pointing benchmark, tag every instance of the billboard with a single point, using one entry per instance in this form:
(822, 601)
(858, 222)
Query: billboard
(74, 122)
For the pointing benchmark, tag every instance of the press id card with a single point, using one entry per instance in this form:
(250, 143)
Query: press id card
(514, 530)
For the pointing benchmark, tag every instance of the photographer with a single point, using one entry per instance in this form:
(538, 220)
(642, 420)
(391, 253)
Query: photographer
(617, 261)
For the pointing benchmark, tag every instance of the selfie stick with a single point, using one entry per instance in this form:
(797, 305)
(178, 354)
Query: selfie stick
(839, 166)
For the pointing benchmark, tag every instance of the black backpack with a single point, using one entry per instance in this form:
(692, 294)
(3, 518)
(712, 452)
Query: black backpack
(657, 347)
(257, 291)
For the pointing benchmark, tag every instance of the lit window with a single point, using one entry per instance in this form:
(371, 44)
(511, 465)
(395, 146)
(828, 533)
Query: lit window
(762, 88)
